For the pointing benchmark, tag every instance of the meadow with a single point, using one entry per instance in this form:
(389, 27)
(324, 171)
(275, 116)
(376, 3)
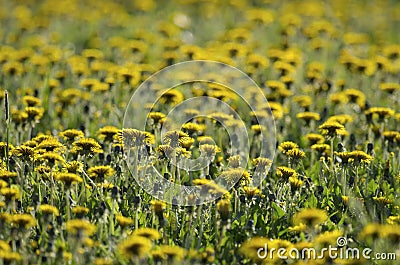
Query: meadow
(72, 172)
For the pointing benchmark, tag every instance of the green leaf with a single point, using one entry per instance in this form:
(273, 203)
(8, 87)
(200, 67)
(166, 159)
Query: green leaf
(278, 210)
(312, 202)
(372, 186)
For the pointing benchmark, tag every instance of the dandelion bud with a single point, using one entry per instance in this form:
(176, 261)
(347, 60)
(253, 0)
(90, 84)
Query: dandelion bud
(370, 148)
(223, 207)
(158, 208)
(6, 105)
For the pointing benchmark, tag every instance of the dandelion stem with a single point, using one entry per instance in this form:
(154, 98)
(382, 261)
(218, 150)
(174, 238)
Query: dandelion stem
(201, 222)
(68, 203)
(7, 116)
(331, 169)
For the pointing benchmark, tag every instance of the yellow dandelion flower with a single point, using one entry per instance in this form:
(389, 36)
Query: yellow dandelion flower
(295, 183)
(371, 230)
(9, 257)
(314, 138)
(355, 96)
(158, 206)
(3, 149)
(285, 172)
(332, 128)
(101, 172)
(71, 135)
(51, 157)
(393, 220)
(391, 135)
(34, 113)
(136, 138)
(49, 209)
(342, 119)
(10, 193)
(87, 147)
(5, 174)
(338, 98)
(328, 238)
(148, 233)
(102, 261)
(232, 175)
(391, 232)
(172, 96)
(298, 228)
(284, 147)
(3, 184)
(191, 128)
(262, 164)
(382, 200)
(4, 246)
(175, 253)
(73, 167)
(80, 210)
(209, 150)
(50, 144)
(251, 191)
(360, 156)
(234, 161)
(308, 116)
(134, 246)
(295, 154)
(389, 87)
(381, 112)
(31, 101)
(310, 217)
(80, 227)
(107, 133)
(321, 148)
(303, 101)
(69, 178)
(251, 248)
(156, 116)
(124, 221)
(257, 128)
(23, 220)
(26, 153)
(186, 142)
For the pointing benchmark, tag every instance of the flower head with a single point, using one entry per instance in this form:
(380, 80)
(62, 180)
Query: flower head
(381, 112)
(23, 220)
(148, 233)
(124, 221)
(107, 133)
(223, 208)
(134, 246)
(285, 172)
(308, 116)
(68, 178)
(100, 172)
(332, 129)
(310, 217)
(48, 209)
(87, 147)
(174, 253)
(286, 146)
(80, 227)
(71, 135)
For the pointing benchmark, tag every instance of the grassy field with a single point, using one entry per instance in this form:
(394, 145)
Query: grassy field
(71, 172)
